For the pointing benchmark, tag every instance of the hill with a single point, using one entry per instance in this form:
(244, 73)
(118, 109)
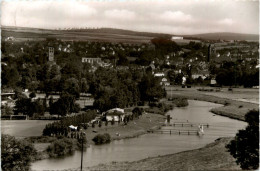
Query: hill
(226, 36)
(102, 34)
(110, 35)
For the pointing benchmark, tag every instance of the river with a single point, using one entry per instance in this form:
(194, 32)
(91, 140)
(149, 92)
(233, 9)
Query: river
(151, 145)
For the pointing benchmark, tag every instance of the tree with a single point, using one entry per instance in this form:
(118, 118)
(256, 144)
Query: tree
(64, 105)
(84, 85)
(171, 75)
(16, 154)
(150, 88)
(71, 86)
(32, 95)
(10, 77)
(6, 110)
(23, 105)
(245, 147)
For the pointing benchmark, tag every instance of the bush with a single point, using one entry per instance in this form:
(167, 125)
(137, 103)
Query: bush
(32, 95)
(180, 102)
(102, 139)
(137, 111)
(16, 154)
(226, 103)
(61, 147)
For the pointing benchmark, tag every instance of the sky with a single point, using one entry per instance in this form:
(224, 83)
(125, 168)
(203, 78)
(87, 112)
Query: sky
(181, 17)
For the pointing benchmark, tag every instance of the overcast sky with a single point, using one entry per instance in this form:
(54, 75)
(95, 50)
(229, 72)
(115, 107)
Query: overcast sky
(163, 16)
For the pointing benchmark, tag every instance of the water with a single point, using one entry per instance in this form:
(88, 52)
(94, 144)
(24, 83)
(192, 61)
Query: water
(151, 145)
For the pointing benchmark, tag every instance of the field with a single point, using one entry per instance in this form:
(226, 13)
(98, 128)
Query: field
(108, 35)
(238, 94)
(23, 128)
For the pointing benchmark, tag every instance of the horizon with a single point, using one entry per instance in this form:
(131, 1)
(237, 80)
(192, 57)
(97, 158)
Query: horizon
(89, 28)
(167, 17)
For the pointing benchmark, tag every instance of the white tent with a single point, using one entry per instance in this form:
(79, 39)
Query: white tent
(73, 127)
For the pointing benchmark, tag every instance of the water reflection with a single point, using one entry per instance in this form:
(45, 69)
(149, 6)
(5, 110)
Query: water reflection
(151, 145)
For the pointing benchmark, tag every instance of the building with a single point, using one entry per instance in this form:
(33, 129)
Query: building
(91, 60)
(202, 74)
(115, 114)
(51, 54)
(159, 74)
(177, 38)
(164, 82)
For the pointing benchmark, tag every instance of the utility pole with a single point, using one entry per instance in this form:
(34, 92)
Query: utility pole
(82, 138)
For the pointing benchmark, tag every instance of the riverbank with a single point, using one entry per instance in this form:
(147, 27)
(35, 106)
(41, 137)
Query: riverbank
(132, 129)
(135, 128)
(231, 108)
(213, 156)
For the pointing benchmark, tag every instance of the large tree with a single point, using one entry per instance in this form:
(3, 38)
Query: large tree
(245, 146)
(150, 88)
(64, 105)
(15, 154)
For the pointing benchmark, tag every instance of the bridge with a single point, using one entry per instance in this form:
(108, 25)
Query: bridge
(186, 124)
(175, 131)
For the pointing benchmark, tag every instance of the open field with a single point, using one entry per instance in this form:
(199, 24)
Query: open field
(234, 102)
(23, 128)
(108, 35)
(132, 129)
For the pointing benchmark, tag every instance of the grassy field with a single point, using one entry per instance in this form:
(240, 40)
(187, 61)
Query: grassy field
(101, 35)
(23, 128)
(132, 129)
(111, 35)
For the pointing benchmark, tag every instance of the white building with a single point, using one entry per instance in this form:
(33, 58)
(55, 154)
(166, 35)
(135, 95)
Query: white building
(159, 74)
(91, 60)
(177, 38)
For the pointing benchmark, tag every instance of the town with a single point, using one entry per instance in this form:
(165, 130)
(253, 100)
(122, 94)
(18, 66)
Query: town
(127, 89)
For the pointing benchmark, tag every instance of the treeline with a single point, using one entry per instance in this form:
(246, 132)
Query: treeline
(236, 73)
(61, 128)
(125, 88)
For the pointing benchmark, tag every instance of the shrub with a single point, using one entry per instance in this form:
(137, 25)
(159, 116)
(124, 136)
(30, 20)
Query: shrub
(61, 147)
(16, 154)
(99, 124)
(226, 103)
(137, 111)
(102, 139)
(180, 102)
